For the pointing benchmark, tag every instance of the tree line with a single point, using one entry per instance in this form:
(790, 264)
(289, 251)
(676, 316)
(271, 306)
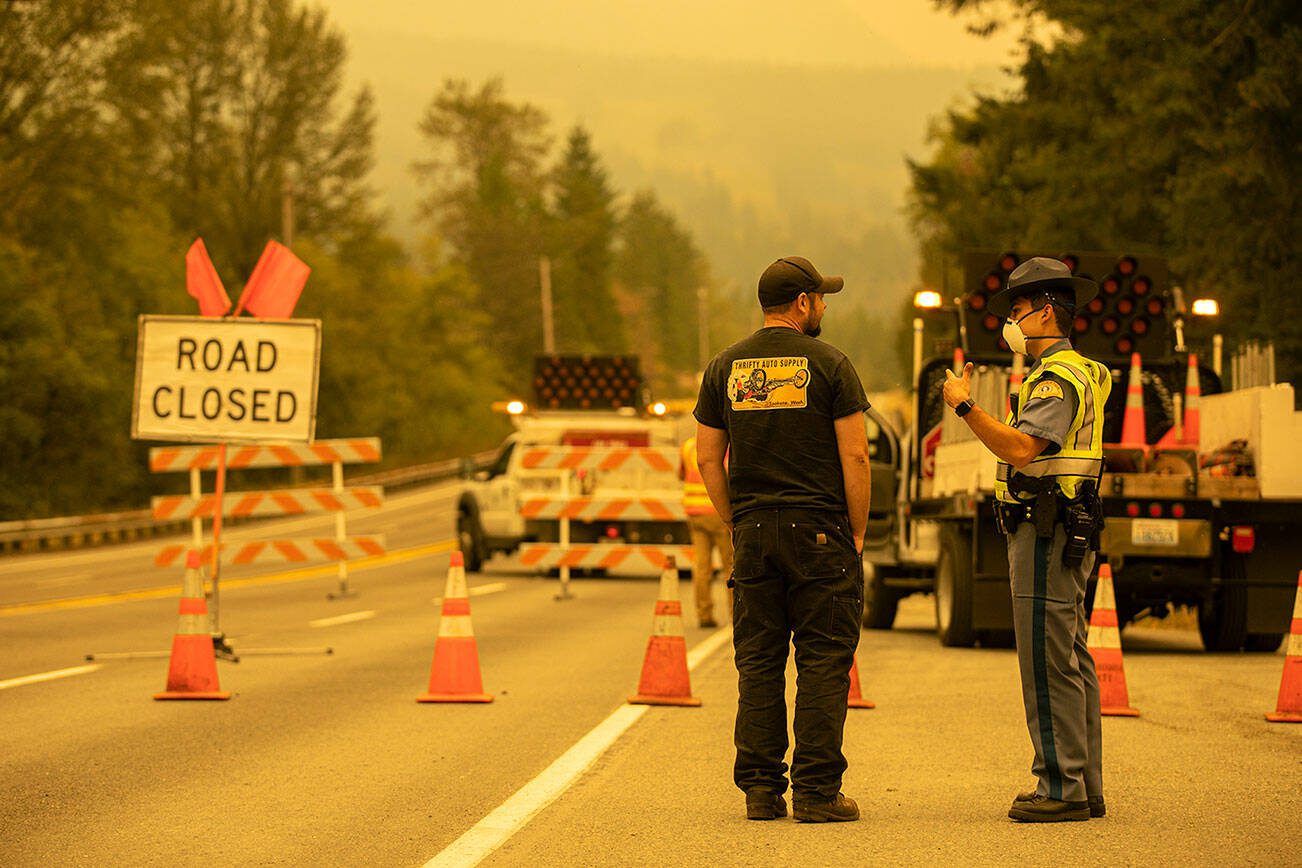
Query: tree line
(129, 129)
(1166, 127)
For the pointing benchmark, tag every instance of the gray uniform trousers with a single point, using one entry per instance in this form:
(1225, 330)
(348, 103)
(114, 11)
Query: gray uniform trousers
(1059, 685)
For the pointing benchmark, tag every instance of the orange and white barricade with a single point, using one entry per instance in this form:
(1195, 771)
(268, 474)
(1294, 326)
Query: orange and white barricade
(602, 483)
(335, 498)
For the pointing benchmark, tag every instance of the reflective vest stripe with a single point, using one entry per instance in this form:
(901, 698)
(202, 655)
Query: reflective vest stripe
(1081, 456)
(696, 500)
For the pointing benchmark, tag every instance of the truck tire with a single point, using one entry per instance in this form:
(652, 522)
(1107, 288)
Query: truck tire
(879, 602)
(954, 589)
(1223, 612)
(1263, 642)
(470, 537)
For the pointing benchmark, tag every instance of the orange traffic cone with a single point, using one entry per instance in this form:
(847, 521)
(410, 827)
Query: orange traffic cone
(1015, 379)
(1104, 643)
(856, 695)
(1133, 424)
(1193, 392)
(192, 673)
(1289, 707)
(454, 674)
(959, 360)
(665, 680)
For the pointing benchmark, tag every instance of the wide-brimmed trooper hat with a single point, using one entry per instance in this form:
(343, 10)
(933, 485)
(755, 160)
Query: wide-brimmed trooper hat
(1040, 274)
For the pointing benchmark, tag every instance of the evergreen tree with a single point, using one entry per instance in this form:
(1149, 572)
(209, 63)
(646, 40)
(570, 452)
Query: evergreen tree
(487, 201)
(583, 232)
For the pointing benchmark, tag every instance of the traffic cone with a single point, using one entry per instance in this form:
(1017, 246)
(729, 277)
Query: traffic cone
(1289, 707)
(1192, 399)
(1104, 643)
(665, 680)
(1015, 379)
(1133, 425)
(959, 361)
(192, 672)
(454, 673)
(856, 695)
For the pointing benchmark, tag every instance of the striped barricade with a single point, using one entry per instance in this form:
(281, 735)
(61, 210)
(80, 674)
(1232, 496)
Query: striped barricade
(295, 550)
(661, 459)
(604, 508)
(359, 450)
(607, 556)
(298, 501)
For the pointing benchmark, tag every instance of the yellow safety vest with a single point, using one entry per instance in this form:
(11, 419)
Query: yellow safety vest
(1081, 456)
(696, 500)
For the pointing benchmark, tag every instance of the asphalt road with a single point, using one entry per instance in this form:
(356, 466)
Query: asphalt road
(327, 759)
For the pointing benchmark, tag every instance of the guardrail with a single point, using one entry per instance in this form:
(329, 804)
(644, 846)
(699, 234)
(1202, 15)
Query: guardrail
(79, 531)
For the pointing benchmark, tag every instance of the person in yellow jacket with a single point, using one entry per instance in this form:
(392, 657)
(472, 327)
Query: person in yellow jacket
(708, 533)
(1050, 460)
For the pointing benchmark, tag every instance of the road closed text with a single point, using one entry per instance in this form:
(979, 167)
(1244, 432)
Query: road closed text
(211, 379)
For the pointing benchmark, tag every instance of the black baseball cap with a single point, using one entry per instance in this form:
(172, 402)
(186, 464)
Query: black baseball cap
(785, 279)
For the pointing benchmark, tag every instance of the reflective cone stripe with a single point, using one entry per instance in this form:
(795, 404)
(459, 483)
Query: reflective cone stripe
(358, 450)
(604, 508)
(192, 670)
(856, 693)
(1192, 400)
(1133, 425)
(1288, 708)
(657, 458)
(454, 672)
(665, 679)
(1104, 643)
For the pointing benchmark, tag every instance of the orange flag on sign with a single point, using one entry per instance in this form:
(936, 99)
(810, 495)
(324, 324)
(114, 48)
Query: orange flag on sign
(276, 283)
(202, 282)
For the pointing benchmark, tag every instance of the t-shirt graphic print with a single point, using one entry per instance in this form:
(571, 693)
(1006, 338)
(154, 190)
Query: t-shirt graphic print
(769, 384)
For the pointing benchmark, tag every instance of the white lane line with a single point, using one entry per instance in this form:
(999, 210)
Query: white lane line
(48, 676)
(342, 619)
(512, 815)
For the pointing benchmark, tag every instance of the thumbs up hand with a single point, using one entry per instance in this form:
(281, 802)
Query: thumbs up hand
(958, 389)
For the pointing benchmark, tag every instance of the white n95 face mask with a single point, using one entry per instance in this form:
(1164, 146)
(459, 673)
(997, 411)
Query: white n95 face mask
(1014, 336)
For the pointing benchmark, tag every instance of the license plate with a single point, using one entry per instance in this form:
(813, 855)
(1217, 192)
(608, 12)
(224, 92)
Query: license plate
(1155, 532)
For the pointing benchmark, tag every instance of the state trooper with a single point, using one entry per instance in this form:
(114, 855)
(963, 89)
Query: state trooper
(1050, 453)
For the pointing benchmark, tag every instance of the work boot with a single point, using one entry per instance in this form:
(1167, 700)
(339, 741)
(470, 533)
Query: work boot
(839, 810)
(1042, 809)
(764, 804)
(1097, 807)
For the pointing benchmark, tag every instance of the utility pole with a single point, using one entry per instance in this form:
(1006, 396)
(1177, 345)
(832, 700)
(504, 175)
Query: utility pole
(545, 284)
(702, 328)
(287, 212)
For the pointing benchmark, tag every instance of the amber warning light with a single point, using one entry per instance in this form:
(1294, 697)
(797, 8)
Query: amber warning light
(1206, 307)
(926, 299)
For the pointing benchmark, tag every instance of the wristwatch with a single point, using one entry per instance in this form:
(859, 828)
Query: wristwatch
(962, 409)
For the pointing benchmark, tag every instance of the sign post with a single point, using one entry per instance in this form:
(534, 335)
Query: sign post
(203, 379)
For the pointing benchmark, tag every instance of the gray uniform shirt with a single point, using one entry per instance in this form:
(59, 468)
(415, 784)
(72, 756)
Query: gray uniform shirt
(1047, 415)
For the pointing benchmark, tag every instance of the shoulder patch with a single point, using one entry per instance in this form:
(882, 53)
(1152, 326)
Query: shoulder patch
(1048, 389)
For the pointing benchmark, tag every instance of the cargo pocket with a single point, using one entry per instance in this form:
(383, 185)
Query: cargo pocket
(847, 615)
(747, 550)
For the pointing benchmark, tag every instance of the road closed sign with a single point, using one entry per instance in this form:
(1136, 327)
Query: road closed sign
(212, 380)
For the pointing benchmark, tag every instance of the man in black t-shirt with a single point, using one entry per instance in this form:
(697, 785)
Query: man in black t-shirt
(788, 411)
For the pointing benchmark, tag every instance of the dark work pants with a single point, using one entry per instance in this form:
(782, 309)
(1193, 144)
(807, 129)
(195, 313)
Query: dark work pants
(1059, 685)
(798, 577)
